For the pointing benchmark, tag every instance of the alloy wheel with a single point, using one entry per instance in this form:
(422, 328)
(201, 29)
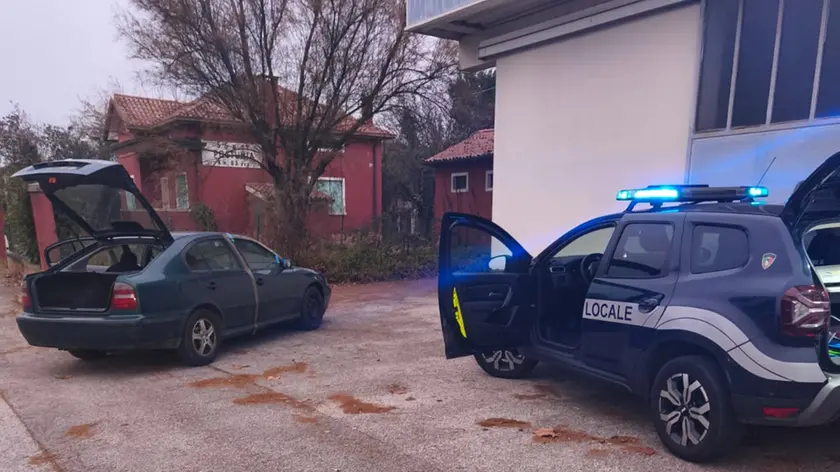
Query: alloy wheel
(504, 360)
(203, 337)
(684, 408)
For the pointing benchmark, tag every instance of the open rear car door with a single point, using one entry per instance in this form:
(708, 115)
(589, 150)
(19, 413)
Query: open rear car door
(486, 301)
(97, 196)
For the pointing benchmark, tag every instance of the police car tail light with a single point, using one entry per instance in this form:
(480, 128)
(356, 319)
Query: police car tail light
(123, 297)
(805, 310)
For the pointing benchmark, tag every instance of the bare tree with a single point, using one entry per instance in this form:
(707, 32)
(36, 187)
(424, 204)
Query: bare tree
(298, 75)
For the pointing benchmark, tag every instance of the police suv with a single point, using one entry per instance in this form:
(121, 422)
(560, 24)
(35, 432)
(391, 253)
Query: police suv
(713, 306)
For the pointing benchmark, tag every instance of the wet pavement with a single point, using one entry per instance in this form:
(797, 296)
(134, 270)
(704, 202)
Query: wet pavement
(370, 390)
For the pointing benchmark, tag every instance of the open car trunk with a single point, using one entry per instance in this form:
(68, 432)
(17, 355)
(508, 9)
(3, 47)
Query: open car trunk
(81, 292)
(813, 215)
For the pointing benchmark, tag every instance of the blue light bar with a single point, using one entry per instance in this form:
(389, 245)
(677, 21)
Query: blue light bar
(656, 194)
(649, 194)
(758, 191)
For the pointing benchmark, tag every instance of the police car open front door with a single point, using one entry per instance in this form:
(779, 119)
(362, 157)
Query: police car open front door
(485, 300)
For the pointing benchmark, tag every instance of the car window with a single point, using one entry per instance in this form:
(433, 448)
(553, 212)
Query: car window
(103, 258)
(823, 245)
(474, 250)
(642, 250)
(259, 259)
(715, 248)
(67, 248)
(593, 242)
(212, 254)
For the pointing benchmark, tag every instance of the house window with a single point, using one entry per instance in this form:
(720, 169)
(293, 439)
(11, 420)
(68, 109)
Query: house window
(164, 193)
(182, 197)
(765, 62)
(488, 181)
(130, 201)
(334, 188)
(460, 182)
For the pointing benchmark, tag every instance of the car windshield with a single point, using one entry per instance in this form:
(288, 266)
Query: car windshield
(103, 208)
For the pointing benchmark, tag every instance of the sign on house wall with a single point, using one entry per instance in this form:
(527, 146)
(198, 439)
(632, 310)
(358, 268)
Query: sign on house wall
(228, 154)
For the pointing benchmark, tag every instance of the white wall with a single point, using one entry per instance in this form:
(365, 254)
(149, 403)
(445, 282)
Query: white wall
(581, 118)
(741, 159)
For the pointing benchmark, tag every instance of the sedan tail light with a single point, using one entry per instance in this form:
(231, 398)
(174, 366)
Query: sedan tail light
(25, 299)
(123, 297)
(805, 310)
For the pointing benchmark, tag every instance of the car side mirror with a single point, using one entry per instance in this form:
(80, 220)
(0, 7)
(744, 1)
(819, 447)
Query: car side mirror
(499, 263)
(285, 263)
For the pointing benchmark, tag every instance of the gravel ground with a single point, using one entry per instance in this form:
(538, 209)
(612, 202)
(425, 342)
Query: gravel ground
(370, 391)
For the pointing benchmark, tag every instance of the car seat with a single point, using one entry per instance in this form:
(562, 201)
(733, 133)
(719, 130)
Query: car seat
(127, 262)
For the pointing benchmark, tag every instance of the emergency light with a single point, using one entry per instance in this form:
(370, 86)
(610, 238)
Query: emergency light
(658, 194)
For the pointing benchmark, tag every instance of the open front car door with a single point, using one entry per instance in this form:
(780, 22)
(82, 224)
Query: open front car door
(485, 298)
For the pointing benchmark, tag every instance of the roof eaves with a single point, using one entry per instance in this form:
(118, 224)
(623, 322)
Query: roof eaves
(456, 159)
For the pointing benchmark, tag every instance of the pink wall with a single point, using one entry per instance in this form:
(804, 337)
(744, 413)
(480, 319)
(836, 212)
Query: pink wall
(476, 201)
(42, 214)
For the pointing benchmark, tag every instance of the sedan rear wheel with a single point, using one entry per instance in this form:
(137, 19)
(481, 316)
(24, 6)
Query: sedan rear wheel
(201, 339)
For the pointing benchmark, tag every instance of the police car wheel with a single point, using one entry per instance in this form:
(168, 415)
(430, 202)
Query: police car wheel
(692, 412)
(505, 363)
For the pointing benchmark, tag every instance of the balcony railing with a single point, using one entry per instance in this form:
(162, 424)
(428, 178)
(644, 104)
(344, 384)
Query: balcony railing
(418, 11)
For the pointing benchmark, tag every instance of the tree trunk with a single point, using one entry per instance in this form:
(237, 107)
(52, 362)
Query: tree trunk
(291, 206)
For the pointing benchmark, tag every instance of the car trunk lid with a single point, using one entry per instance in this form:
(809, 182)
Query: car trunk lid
(95, 195)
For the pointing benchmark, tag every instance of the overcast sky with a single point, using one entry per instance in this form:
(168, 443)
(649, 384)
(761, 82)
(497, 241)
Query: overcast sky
(53, 52)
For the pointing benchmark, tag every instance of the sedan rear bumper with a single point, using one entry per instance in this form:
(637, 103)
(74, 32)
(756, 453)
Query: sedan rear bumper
(106, 333)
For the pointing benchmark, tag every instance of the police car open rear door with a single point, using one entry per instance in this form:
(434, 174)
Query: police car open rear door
(485, 298)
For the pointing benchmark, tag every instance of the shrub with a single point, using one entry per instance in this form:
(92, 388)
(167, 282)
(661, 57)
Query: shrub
(364, 258)
(204, 217)
(20, 226)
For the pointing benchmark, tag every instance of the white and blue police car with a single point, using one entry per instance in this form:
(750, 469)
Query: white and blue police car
(713, 306)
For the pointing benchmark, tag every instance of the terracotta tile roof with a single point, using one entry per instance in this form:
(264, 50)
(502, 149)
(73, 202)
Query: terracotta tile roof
(479, 144)
(142, 112)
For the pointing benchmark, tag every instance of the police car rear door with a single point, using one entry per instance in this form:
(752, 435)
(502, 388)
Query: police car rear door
(484, 297)
(633, 285)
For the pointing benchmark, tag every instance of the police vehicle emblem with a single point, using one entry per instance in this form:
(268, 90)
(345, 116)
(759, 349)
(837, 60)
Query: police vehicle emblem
(767, 260)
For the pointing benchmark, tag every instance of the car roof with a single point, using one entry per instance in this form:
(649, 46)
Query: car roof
(196, 234)
(746, 208)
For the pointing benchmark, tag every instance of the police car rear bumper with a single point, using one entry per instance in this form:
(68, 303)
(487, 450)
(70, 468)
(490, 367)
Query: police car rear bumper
(825, 407)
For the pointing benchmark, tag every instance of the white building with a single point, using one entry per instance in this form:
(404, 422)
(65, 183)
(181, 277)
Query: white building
(598, 95)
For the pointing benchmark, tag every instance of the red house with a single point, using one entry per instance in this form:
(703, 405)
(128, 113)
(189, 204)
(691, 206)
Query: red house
(204, 165)
(464, 177)
(198, 160)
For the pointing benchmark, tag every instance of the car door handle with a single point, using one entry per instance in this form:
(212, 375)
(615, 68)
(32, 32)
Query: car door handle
(211, 285)
(259, 280)
(649, 304)
(557, 269)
